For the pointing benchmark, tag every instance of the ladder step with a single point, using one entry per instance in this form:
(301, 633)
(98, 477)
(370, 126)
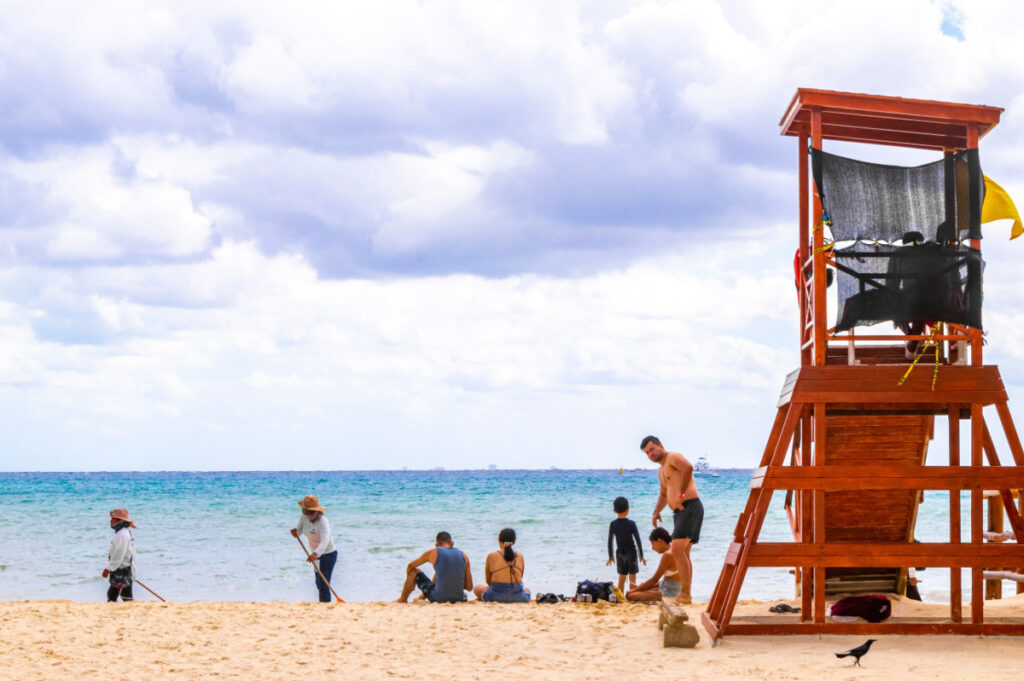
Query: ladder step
(732, 556)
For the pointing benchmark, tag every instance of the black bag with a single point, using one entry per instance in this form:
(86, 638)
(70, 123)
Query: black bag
(596, 590)
(121, 577)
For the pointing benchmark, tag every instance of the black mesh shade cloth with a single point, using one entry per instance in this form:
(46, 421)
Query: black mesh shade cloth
(925, 282)
(874, 202)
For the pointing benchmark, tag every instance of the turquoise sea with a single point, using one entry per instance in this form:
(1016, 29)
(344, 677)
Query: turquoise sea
(224, 536)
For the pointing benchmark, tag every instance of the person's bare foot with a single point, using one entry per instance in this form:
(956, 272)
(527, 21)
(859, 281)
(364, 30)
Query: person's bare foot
(684, 599)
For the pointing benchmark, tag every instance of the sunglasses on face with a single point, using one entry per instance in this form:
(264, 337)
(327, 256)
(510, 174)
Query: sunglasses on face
(310, 512)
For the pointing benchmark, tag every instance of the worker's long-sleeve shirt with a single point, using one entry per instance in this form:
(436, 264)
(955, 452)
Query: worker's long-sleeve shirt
(122, 552)
(321, 542)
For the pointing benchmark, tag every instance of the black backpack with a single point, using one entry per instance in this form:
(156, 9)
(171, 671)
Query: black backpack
(596, 590)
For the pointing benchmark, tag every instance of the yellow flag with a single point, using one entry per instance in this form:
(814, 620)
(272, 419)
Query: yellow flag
(999, 206)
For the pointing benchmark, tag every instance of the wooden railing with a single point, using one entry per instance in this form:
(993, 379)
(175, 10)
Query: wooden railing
(815, 332)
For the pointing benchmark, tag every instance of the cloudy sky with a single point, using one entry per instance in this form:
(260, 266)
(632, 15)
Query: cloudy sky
(328, 235)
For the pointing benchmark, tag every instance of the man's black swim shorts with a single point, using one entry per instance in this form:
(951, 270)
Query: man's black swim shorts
(687, 520)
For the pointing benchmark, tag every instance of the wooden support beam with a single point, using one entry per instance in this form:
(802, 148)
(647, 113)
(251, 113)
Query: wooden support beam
(842, 133)
(757, 504)
(860, 121)
(1012, 439)
(741, 525)
(807, 519)
(974, 188)
(773, 435)
(1007, 496)
(721, 586)
(880, 385)
(893, 628)
(804, 242)
(994, 585)
(790, 502)
(881, 476)
(955, 576)
(731, 578)
(710, 626)
(896, 554)
(818, 241)
(1004, 574)
(820, 458)
(977, 579)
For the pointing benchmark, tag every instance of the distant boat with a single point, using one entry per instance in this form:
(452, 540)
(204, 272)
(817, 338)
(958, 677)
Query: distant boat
(703, 468)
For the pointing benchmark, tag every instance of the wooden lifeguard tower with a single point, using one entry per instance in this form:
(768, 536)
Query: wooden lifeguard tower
(849, 441)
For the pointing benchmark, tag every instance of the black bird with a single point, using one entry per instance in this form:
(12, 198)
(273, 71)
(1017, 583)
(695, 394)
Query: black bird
(858, 652)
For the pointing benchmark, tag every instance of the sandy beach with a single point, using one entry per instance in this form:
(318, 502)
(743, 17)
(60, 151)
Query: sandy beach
(146, 640)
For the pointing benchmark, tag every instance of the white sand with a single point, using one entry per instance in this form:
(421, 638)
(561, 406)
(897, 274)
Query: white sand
(255, 641)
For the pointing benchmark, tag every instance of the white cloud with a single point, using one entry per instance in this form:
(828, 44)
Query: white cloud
(436, 193)
(402, 201)
(104, 215)
(393, 59)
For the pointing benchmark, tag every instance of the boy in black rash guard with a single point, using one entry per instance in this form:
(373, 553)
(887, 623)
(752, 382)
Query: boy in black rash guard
(624, 531)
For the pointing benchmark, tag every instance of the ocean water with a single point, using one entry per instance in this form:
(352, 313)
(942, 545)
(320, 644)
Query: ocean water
(224, 536)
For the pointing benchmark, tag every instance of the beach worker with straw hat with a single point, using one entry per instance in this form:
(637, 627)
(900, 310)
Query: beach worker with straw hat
(322, 552)
(121, 570)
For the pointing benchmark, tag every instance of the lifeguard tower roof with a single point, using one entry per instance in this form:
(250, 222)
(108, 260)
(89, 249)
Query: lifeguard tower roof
(894, 121)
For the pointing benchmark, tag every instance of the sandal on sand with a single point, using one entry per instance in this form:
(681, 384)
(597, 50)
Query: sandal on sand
(783, 607)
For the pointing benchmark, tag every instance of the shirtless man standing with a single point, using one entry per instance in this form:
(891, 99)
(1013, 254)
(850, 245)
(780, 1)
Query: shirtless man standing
(679, 492)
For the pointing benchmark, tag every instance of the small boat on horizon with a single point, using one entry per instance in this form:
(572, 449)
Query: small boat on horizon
(702, 468)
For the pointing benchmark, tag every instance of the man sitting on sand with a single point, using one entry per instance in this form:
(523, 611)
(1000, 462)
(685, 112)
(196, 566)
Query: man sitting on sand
(679, 492)
(451, 574)
(669, 587)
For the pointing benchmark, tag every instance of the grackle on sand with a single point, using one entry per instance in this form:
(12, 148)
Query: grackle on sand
(858, 652)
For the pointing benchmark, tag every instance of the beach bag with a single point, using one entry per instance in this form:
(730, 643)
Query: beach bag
(598, 591)
(872, 608)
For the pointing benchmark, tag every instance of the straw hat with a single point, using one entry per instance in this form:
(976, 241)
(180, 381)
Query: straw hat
(311, 503)
(122, 514)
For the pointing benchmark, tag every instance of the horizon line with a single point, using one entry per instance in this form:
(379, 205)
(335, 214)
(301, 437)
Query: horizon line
(350, 470)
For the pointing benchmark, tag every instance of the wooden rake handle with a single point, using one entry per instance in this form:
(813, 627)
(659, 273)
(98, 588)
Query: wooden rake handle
(150, 590)
(315, 567)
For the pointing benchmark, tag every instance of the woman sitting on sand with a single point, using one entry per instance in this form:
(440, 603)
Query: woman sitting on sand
(503, 571)
(670, 586)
